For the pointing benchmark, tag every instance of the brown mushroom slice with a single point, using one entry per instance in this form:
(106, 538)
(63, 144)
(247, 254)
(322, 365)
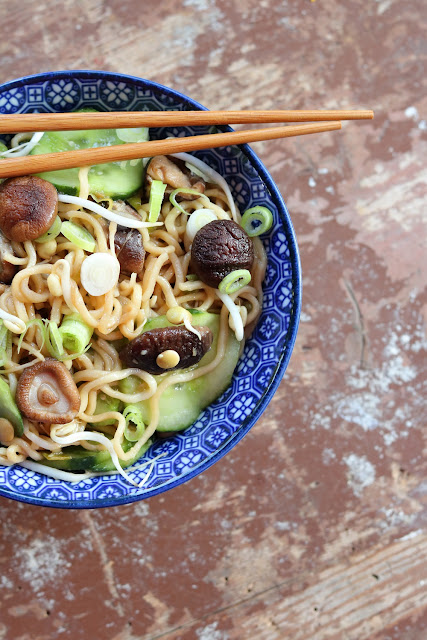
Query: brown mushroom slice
(143, 352)
(130, 251)
(7, 270)
(47, 393)
(28, 207)
(218, 248)
(175, 174)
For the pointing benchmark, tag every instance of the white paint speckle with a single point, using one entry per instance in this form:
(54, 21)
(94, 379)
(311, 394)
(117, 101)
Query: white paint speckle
(323, 170)
(305, 317)
(361, 473)
(328, 455)
(5, 583)
(412, 112)
(43, 562)
(362, 409)
(311, 182)
(330, 189)
(210, 632)
(412, 534)
(422, 125)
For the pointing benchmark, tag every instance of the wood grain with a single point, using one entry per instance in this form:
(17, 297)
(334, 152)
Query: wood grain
(87, 157)
(119, 119)
(328, 490)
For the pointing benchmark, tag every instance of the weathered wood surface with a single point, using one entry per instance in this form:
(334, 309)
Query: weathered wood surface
(314, 526)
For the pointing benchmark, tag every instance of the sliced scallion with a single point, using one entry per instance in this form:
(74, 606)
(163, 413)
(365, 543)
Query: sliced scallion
(51, 233)
(198, 219)
(234, 281)
(257, 220)
(157, 191)
(54, 342)
(192, 192)
(3, 335)
(3, 343)
(79, 236)
(135, 134)
(135, 426)
(39, 324)
(75, 333)
(99, 273)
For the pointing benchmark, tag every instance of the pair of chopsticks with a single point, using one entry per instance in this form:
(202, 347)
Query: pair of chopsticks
(320, 121)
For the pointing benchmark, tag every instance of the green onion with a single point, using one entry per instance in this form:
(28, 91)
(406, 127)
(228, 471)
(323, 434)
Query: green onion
(75, 334)
(234, 281)
(157, 191)
(130, 385)
(3, 148)
(191, 277)
(135, 134)
(3, 335)
(135, 426)
(39, 323)
(54, 342)
(256, 221)
(52, 232)
(106, 404)
(193, 192)
(135, 202)
(3, 344)
(79, 236)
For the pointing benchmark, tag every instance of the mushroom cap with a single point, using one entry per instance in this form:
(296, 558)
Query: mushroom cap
(175, 175)
(28, 207)
(218, 248)
(47, 393)
(142, 352)
(130, 251)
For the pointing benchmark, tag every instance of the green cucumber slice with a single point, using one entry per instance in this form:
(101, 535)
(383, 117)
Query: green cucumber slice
(181, 404)
(9, 410)
(76, 458)
(117, 180)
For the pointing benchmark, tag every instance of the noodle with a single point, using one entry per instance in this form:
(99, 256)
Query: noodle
(50, 289)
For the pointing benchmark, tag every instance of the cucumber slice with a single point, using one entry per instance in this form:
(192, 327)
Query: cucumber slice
(117, 180)
(9, 410)
(76, 458)
(181, 404)
(105, 404)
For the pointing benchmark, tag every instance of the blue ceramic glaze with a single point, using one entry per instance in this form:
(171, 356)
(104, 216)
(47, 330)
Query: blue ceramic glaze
(266, 355)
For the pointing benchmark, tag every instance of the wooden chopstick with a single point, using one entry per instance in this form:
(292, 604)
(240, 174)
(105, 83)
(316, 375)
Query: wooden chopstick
(11, 167)
(13, 123)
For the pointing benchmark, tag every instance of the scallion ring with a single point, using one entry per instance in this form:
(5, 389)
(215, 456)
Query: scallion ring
(198, 219)
(52, 232)
(54, 341)
(79, 236)
(157, 192)
(235, 281)
(75, 333)
(99, 273)
(256, 221)
(188, 191)
(135, 426)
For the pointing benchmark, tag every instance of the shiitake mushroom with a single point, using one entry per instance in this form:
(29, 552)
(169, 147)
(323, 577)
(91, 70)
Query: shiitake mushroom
(218, 248)
(46, 393)
(28, 207)
(143, 352)
(130, 251)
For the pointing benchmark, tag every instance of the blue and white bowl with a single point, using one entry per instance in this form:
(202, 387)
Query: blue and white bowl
(266, 355)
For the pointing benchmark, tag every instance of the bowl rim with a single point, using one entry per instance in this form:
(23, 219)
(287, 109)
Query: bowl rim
(296, 279)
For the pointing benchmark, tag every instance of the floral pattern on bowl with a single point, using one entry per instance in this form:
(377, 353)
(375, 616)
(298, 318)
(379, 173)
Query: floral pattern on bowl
(266, 354)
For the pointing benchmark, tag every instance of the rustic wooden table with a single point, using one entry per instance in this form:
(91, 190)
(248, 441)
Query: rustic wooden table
(314, 526)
